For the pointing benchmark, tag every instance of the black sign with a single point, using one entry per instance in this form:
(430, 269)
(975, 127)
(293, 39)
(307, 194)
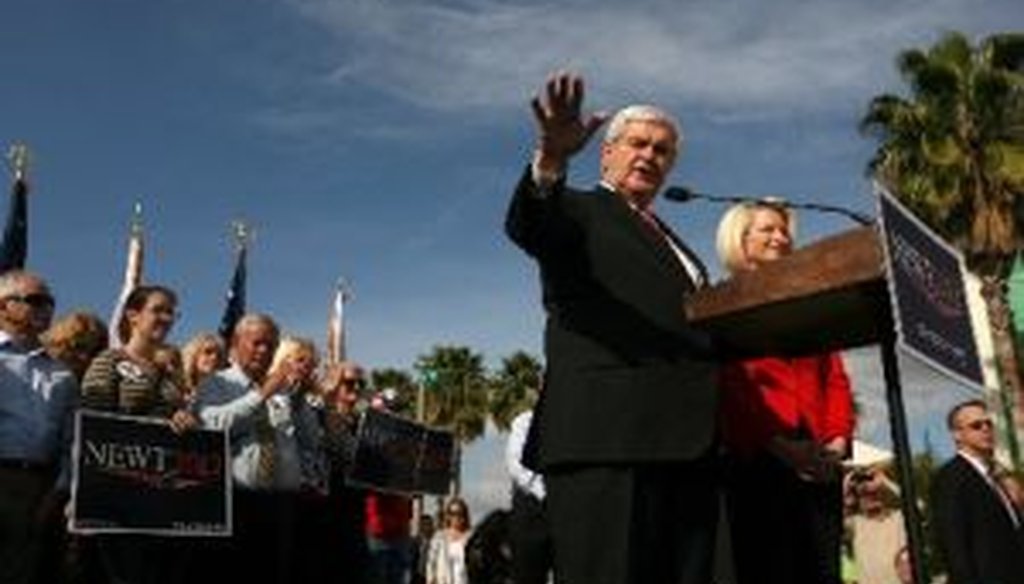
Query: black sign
(135, 475)
(398, 455)
(926, 285)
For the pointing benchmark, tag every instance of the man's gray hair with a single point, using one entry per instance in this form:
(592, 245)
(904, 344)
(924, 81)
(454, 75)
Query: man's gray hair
(11, 280)
(253, 319)
(641, 113)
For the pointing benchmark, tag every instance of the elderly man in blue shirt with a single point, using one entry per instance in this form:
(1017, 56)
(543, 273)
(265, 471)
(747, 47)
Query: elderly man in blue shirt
(264, 420)
(37, 401)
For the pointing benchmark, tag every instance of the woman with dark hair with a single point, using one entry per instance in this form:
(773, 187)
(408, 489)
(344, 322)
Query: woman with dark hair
(130, 380)
(446, 558)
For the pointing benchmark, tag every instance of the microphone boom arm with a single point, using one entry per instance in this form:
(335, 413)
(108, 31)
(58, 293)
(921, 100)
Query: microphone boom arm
(685, 194)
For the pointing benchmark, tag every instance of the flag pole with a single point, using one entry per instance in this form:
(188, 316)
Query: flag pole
(14, 247)
(132, 272)
(337, 350)
(235, 306)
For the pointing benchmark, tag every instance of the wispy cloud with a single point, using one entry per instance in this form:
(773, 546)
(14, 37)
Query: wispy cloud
(730, 57)
(927, 396)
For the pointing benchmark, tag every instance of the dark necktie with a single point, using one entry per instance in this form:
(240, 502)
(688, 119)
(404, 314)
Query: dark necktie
(690, 265)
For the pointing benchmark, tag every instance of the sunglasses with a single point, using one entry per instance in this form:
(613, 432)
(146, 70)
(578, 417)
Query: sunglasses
(357, 382)
(980, 424)
(35, 300)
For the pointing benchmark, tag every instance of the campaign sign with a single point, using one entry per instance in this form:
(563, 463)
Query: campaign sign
(929, 299)
(397, 455)
(135, 475)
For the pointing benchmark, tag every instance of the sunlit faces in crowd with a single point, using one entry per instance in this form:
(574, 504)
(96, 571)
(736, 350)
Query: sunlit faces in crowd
(253, 345)
(26, 305)
(149, 315)
(297, 359)
(203, 355)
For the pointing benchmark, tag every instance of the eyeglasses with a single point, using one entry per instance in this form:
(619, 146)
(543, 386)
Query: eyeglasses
(35, 299)
(979, 425)
(357, 382)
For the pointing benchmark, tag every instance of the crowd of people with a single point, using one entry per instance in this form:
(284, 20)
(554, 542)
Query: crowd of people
(292, 429)
(645, 423)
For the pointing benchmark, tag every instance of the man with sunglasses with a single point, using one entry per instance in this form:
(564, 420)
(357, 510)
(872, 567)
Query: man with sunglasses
(977, 527)
(37, 400)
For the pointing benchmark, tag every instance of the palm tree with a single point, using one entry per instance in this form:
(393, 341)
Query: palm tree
(953, 151)
(456, 394)
(400, 381)
(514, 388)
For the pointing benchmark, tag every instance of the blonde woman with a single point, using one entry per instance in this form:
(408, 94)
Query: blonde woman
(297, 358)
(787, 423)
(202, 356)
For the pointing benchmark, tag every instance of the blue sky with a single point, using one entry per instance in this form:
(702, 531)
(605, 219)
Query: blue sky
(379, 140)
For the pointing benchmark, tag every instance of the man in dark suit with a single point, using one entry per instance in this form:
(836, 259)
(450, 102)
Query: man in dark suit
(977, 527)
(624, 429)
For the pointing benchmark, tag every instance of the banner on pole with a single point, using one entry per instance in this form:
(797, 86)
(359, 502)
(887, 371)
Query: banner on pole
(928, 294)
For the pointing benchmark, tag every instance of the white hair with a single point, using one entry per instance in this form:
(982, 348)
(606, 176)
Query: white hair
(11, 281)
(641, 113)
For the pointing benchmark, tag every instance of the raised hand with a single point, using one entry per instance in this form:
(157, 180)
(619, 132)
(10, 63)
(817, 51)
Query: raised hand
(562, 128)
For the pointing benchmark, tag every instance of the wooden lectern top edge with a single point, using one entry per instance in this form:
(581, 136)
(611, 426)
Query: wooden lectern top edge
(848, 259)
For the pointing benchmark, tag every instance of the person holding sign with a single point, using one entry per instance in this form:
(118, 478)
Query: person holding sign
(130, 380)
(786, 423)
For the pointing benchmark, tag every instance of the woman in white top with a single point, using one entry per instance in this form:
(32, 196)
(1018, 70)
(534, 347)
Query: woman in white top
(446, 558)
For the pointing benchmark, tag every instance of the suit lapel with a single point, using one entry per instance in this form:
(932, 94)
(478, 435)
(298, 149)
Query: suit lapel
(703, 271)
(989, 491)
(662, 254)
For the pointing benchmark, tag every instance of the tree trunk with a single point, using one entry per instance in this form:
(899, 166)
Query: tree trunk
(994, 290)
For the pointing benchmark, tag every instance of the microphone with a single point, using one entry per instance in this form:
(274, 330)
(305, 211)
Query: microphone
(687, 194)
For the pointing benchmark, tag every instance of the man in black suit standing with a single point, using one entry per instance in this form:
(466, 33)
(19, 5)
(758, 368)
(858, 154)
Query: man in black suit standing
(624, 430)
(977, 527)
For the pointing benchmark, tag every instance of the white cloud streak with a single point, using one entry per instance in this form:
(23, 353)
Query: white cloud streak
(729, 57)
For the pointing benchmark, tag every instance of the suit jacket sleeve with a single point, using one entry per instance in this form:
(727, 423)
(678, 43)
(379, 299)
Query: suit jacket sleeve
(554, 226)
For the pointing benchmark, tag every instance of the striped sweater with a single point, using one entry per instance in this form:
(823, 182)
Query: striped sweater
(116, 383)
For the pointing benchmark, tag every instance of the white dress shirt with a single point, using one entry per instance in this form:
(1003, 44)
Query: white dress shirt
(229, 399)
(522, 477)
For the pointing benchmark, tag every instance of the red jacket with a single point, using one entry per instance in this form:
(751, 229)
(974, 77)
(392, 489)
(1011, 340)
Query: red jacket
(762, 398)
(388, 516)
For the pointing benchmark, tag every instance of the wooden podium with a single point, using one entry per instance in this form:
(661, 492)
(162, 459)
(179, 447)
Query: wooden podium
(830, 295)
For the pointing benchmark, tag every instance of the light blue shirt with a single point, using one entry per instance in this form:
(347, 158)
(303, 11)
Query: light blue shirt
(229, 399)
(38, 397)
